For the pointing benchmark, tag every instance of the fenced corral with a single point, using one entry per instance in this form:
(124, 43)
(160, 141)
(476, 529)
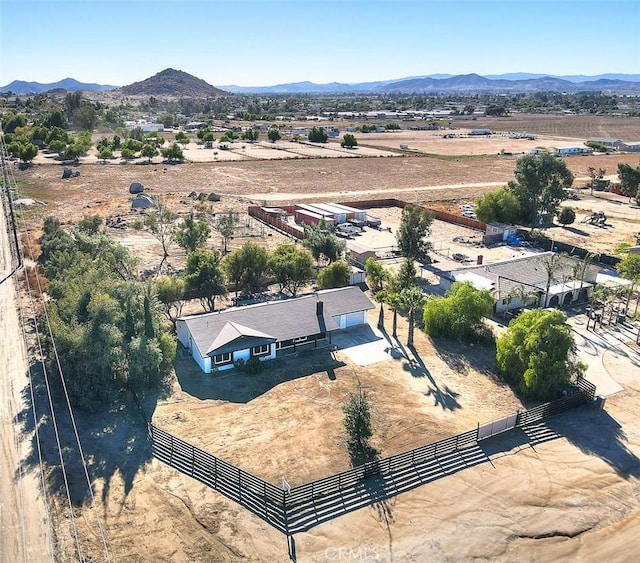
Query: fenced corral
(275, 221)
(299, 508)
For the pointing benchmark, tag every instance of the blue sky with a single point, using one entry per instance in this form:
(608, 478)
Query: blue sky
(264, 42)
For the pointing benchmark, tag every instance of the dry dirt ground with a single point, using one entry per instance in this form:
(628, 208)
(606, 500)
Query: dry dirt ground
(536, 499)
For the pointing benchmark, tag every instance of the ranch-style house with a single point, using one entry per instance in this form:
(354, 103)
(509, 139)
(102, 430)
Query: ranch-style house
(218, 339)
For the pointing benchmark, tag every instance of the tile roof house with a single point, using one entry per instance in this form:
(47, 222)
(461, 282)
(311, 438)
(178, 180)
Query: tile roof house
(218, 339)
(522, 281)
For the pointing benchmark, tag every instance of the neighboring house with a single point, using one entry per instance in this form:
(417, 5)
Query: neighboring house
(522, 281)
(216, 340)
(358, 254)
(610, 143)
(568, 151)
(499, 232)
(630, 147)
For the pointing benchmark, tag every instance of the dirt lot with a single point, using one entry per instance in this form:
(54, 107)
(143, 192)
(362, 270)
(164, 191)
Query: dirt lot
(571, 497)
(415, 403)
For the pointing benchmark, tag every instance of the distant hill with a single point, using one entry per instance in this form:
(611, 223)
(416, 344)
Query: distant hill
(514, 82)
(170, 82)
(20, 87)
(475, 83)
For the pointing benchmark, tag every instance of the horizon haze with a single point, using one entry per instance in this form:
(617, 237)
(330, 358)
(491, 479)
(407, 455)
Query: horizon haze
(251, 43)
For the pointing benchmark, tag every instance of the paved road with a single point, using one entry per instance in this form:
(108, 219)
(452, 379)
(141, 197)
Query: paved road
(24, 534)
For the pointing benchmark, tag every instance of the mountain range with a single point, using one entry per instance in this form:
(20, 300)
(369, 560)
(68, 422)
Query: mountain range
(21, 87)
(170, 82)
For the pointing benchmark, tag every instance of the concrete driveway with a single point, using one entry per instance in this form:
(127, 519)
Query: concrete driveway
(594, 345)
(365, 345)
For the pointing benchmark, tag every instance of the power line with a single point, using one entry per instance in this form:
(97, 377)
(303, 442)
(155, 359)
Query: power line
(12, 183)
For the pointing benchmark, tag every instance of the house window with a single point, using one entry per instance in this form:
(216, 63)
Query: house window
(300, 339)
(222, 358)
(263, 350)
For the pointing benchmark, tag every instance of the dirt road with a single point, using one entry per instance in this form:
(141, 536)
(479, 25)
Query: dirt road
(24, 533)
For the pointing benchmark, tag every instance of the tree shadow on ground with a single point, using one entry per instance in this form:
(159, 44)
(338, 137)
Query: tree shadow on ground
(444, 397)
(576, 231)
(113, 439)
(462, 356)
(236, 386)
(359, 454)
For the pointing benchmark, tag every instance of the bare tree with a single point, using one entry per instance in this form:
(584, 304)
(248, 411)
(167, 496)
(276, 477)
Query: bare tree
(161, 223)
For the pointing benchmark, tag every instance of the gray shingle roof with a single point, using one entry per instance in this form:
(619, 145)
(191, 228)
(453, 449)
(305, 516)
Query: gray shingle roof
(529, 271)
(233, 333)
(275, 320)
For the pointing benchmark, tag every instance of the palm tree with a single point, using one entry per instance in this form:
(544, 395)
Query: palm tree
(581, 266)
(411, 299)
(525, 296)
(551, 264)
(395, 302)
(381, 297)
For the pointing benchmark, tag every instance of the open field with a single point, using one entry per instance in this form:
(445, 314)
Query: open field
(577, 127)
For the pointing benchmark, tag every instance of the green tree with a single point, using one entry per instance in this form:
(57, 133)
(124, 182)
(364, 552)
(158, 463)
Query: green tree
(100, 319)
(173, 153)
(458, 315)
(28, 152)
(182, 138)
(629, 180)
(322, 243)
(357, 424)
(12, 121)
(336, 274)
(192, 233)
(85, 118)
(226, 225)
(376, 274)
(540, 184)
(596, 177)
(318, 135)
(349, 141)
(250, 135)
(292, 267)
(406, 277)
(149, 150)
(90, 224)
(171, 293)
(204, 277)
(537, 354)
(500, 206)
(273, 134)
(105, 153)
(566, 215)
(415, 226)
(629, 268)
(247, 267)
(412, 299)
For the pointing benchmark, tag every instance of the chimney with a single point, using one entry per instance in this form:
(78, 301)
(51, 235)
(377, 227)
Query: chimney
(319, 308)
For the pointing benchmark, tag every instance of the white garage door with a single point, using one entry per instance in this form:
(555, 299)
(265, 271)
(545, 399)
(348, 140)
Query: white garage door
(353, 319)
